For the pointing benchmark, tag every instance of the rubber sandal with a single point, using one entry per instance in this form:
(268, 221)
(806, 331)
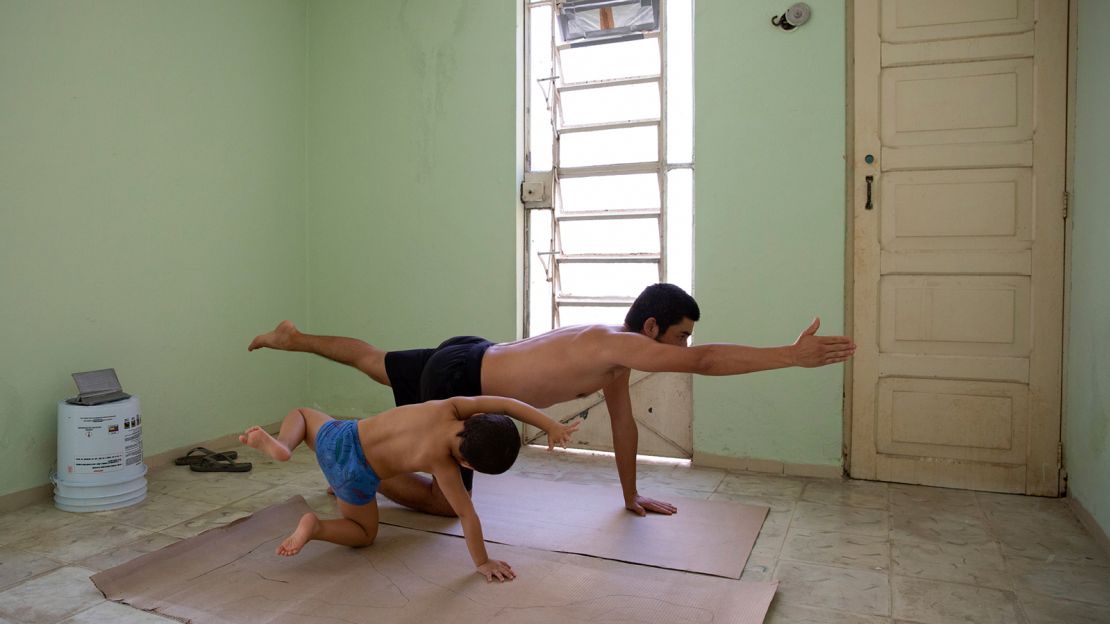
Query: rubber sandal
(219, 462)
(195, 455)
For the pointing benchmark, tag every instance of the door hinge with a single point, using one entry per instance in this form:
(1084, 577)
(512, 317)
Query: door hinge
(1067, 197)
(1059, 455)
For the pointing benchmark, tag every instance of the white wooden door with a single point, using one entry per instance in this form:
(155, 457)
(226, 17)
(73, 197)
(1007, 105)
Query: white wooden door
(959, 105)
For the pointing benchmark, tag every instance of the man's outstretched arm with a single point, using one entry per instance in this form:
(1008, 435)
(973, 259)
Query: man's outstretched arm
(809, 350)
(625, 442)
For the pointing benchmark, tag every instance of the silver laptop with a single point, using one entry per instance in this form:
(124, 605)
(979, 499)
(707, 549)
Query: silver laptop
(97, 387)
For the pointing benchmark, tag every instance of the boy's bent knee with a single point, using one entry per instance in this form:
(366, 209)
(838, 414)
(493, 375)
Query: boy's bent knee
(369, 535)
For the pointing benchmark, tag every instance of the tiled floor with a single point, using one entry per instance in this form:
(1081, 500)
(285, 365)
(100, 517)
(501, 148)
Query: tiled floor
(845, 552)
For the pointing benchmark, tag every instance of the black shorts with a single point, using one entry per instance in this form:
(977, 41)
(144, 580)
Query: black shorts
(454, 368)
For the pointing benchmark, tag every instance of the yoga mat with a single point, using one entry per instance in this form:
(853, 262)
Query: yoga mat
(710, 537)
(231, 575)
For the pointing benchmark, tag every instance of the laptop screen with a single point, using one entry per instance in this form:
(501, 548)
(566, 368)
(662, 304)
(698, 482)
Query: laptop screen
(97, 382)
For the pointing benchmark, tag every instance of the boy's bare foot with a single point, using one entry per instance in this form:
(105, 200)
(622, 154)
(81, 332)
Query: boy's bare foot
(295, 542)
(257, 437)
(281, 337)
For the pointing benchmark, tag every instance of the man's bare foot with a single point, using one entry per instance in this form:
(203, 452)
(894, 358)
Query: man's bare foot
(281, 337)
(295, 542)
(257, 437)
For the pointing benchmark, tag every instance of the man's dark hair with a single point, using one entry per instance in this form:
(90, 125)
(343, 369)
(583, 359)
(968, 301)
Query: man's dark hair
(490, 442)
(667, 303)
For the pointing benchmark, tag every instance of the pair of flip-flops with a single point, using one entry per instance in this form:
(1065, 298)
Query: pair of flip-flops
(200, 459)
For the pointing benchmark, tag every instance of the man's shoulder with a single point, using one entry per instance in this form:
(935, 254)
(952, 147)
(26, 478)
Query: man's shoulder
(611, 345)
(595, 339)
(613, 334)
(603, 332)
(574, 334)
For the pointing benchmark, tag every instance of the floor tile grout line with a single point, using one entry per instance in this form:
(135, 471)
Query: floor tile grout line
(890, 548)
(62, 564)
(997, 541)
(76, 613)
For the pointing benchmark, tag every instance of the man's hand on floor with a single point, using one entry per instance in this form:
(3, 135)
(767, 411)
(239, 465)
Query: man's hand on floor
(641, 505)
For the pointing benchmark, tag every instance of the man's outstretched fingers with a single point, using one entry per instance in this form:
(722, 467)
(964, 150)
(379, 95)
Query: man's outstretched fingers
(665, 509)
(658, 507)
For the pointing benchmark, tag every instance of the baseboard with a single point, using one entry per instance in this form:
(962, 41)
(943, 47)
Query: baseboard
(22, 498)
(1092, 525)
(769, 466)
(40, 493)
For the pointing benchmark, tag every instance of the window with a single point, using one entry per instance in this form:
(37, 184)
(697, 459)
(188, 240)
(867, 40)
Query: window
(608, 156)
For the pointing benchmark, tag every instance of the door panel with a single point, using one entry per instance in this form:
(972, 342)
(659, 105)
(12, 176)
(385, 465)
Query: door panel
(958, 261)
(925, 20)
(963, 420)
(950, 315)
(974, 209)
(958, 103)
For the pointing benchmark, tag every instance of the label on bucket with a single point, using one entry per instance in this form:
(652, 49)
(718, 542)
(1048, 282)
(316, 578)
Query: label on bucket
(99, 441)
(133, 447)
(110, 442)
(96, 463)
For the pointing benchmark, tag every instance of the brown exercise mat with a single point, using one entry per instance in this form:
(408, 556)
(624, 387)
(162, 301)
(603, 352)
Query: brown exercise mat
(231, 575)
(710, 537)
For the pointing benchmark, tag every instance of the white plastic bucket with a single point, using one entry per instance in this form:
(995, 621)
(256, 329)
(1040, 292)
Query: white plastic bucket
(100, 503)
(100, 456)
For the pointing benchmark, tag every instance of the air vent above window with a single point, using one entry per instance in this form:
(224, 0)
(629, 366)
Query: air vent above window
(587, 22)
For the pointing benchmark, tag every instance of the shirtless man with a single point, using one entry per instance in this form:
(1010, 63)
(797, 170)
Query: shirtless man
(558, 366)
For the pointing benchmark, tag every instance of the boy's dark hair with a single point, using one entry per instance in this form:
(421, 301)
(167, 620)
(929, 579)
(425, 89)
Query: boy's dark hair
(667, 303)
(490, 442)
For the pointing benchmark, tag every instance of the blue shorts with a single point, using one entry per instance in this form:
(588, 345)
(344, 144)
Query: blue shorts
(339, 453)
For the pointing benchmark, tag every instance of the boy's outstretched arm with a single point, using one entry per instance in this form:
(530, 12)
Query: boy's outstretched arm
(557, 432)
(450, 483)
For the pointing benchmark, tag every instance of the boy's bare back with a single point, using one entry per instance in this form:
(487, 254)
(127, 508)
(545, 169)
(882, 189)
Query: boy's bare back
(410, 438)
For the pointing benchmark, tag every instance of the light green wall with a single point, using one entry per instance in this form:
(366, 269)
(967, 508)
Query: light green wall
(412, 210)
(412, 168)
(769, 222)
(1087, 415)
(164, 144)
(151, 213)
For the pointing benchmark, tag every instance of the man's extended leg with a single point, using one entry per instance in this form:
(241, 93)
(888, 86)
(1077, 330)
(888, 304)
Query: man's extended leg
(417, 492)
(350, 351)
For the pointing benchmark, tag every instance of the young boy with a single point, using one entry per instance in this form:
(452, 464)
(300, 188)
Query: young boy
(436, 437)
